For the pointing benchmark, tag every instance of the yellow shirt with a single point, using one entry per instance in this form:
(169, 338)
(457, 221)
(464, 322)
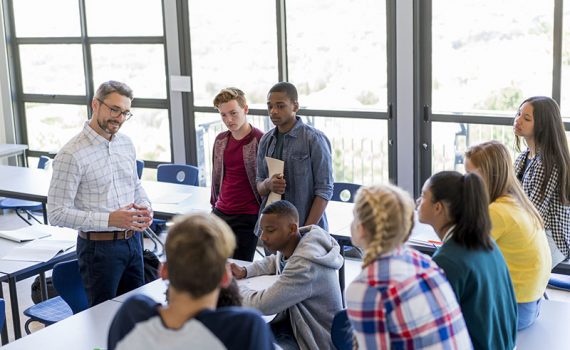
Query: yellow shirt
(524, 247)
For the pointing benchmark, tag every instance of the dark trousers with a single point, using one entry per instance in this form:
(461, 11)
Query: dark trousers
(243, 226)
(110, 268)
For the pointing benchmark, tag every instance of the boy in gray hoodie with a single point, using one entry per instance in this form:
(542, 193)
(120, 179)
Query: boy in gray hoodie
(306, 296)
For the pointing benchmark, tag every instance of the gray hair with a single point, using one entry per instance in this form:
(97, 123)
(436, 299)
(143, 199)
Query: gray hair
(111, 86)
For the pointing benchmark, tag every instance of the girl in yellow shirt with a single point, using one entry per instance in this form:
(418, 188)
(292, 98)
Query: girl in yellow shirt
(516, 227)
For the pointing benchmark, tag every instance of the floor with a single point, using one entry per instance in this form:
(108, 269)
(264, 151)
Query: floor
(10, 221)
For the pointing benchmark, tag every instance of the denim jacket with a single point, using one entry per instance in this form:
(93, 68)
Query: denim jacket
(308, 167)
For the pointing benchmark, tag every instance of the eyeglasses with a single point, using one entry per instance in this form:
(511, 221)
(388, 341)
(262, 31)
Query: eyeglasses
(117, 112)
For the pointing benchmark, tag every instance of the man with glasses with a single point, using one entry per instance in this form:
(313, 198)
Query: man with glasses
(95, 189)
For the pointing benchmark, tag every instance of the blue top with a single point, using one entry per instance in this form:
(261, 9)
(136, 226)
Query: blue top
(482, 284)
(308, 167)
(138, 326)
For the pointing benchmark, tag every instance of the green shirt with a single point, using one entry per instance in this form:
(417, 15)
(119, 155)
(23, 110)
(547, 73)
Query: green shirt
(482, 284)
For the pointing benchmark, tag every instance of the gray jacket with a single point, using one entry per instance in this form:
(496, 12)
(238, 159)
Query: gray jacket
(307, 287)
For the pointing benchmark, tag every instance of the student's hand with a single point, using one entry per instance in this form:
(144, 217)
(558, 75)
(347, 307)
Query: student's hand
(239, 272)
(131, 217)
(277, 184)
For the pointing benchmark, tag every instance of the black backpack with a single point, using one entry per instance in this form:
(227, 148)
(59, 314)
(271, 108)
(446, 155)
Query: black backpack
(151, 265)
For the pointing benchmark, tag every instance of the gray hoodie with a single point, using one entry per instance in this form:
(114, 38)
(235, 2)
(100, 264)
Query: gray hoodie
(308, 287)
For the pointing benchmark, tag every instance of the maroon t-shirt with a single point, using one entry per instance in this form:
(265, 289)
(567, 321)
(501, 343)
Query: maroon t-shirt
(236, 196)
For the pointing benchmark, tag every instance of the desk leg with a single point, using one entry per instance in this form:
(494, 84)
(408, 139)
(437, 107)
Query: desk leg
(15, 308)
(341, 275)
(44, 210)
(43, 286)
(5, 328)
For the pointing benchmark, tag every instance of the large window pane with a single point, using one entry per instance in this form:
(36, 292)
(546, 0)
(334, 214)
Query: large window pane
(52, 69)
(40, 18)
(50, 126)
(337, 53)
(124, 18)
(450, 140)
(359, 148)
(565, 96)
(150, 131)
(208, 126)
(235, 46)
(490, 55)
(141, 67)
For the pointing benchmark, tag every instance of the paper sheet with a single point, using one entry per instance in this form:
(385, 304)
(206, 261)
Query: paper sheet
(41, 250)
(28, 233)
(274, 166)
(258, 282)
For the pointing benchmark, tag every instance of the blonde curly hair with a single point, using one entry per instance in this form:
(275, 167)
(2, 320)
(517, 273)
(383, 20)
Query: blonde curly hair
(386, 213)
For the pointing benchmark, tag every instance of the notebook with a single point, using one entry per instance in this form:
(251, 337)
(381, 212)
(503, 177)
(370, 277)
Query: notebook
(28, 233)
(40, 250)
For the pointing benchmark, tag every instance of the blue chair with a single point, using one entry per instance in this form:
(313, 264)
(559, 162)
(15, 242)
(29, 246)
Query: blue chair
(341, 331)
(2, 313)
(140, 167)
(71, 300)
(561, 282)
(21, 206)
(178, 174)
(344, 192)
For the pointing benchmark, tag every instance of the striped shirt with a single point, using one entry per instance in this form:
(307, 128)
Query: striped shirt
(93, 177)
(403, 301)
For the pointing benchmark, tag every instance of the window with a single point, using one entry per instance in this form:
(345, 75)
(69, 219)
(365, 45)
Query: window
(235, 46)
(337, 53)
(489, 55)
(486, 58)
(58, 67)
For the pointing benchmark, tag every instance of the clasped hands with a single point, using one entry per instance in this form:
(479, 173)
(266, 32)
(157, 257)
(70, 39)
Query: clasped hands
(132, 217)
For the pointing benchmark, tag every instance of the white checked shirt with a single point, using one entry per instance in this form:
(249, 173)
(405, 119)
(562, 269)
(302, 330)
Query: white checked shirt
(93, 177)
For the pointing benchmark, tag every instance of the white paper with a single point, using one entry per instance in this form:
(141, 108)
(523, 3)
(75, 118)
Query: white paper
(274, 166)
(40, 250)
(28, 233)
(258, 282)
(172, 198)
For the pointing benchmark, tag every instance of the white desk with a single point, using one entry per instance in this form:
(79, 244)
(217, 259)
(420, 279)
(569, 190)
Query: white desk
(550, 330)
(14, 149)
(156, 290)
(86, 330)
(14, 271)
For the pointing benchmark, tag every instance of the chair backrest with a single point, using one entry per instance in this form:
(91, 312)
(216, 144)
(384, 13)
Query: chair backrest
(178, 174)
(140, 167)
(67, 281)
(344, 192)
(341, 331)
(44, 162)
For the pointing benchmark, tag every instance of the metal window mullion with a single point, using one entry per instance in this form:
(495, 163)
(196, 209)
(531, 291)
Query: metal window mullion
(185, 51)
(422, 90)
(18, 109)
(87, 61)
(391, 57)
(557, 51)
(281, 21)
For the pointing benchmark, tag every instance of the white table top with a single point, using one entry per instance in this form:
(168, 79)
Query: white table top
(11, 149)
(550, 330)
(86, 330)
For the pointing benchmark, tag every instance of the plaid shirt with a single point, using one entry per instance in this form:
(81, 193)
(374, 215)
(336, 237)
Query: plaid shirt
(91, 178)
(556, 216)
(403, 301)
